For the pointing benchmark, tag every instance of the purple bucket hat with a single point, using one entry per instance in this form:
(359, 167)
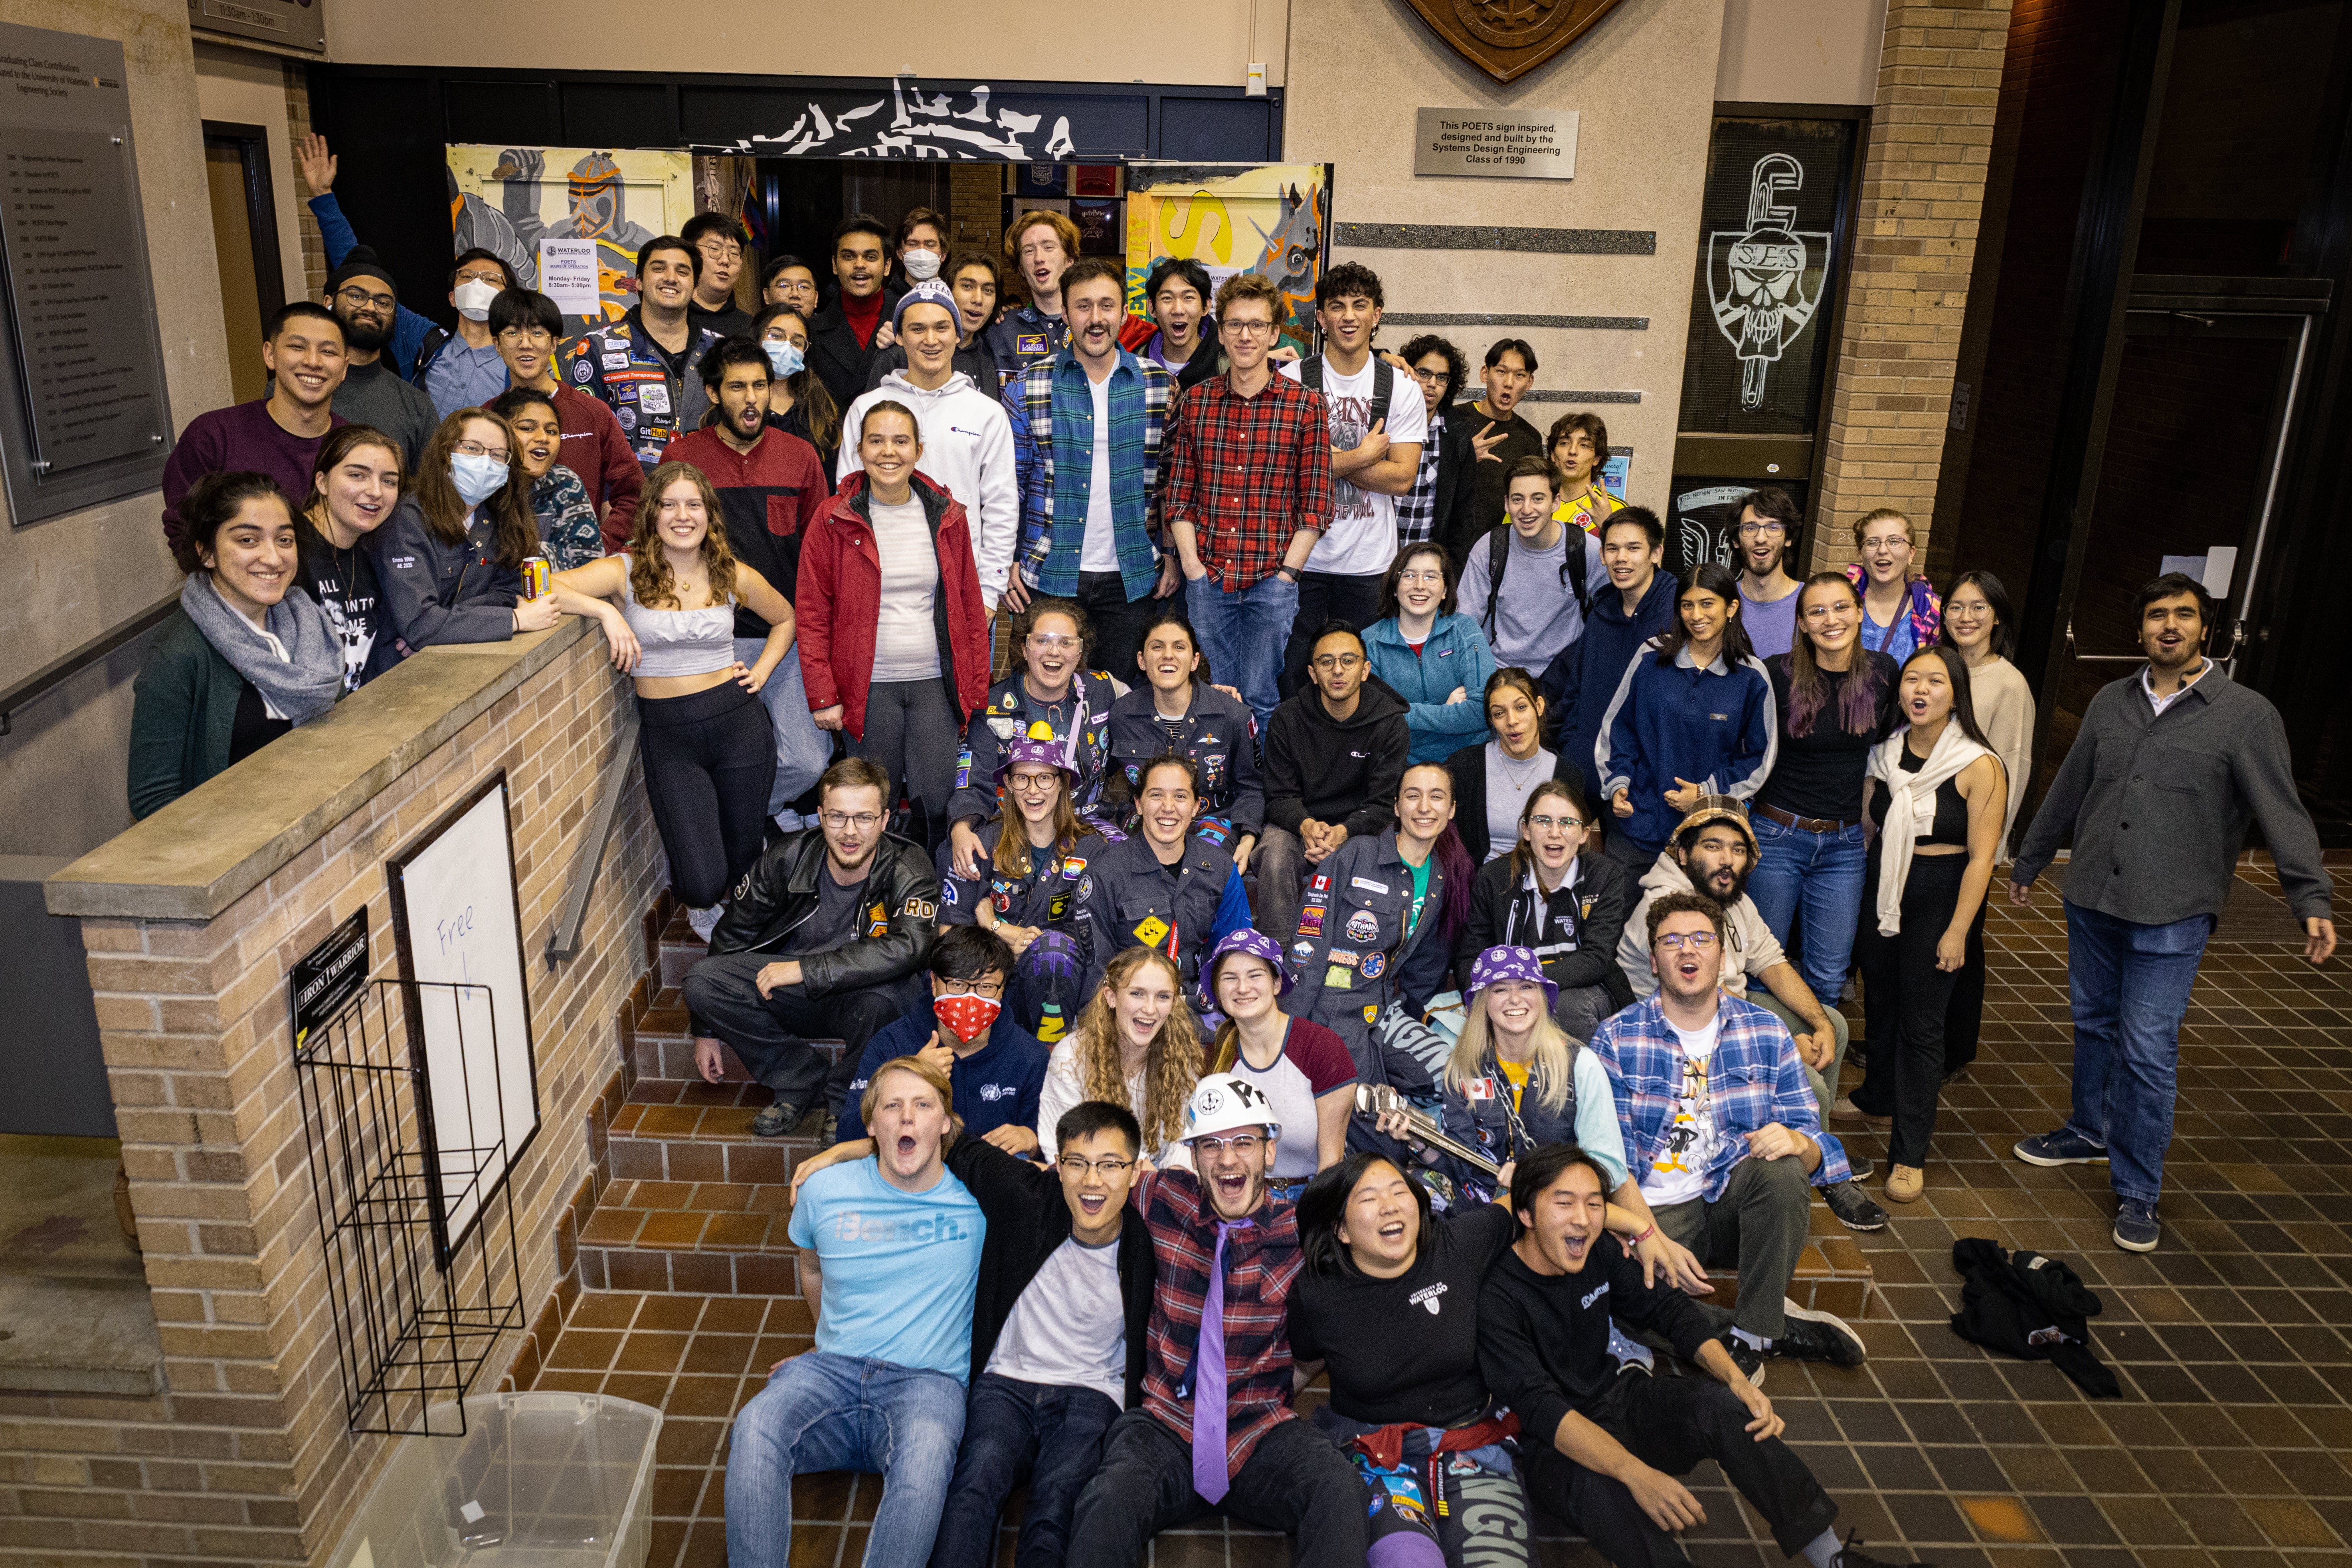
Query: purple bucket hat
(1512, 963)
(1038, 754)
(1258, 945)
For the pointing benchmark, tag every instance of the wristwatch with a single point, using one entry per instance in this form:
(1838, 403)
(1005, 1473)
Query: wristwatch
(1288, 572)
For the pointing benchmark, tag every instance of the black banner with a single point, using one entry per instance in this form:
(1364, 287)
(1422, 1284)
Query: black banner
(328, 976)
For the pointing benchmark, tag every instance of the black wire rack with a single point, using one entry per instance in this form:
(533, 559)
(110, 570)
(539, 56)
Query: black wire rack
(415, 1319)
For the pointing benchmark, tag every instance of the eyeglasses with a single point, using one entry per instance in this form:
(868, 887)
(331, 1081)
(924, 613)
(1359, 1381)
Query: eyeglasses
(863, 821)
(1060, 640)
(1033, 783)
(1332, 661)
(1886, 542)
(1696, 940)
(480, 276)
(1248, 328)
(1107, 1170)
(1823, 612)
(1242, 1143)
(1430, 377)
(539, 336)
(476, 449)
(1563, 823)
(356, 295)
(993, 989)
(1434, 578)
(1761, 530)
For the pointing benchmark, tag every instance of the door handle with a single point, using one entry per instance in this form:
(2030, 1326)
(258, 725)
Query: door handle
(2081, 658)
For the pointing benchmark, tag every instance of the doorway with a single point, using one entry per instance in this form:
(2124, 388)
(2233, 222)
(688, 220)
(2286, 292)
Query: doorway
(245, 242)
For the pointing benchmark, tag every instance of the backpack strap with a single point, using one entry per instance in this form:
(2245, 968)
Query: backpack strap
(1311, 373)
(427, 351)
(1498, 555)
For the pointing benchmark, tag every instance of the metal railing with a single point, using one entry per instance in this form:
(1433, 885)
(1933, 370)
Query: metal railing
(66, 666)
(563, 940)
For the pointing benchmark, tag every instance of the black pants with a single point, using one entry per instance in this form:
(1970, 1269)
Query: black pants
(912, 734)
(1906, 998)
(1326, 597)
(1295, 1482)
(709, 761)
(1117, 623)
(1670, 1423)
(1964, 1019)
(1047, 1435)
(771, 1033)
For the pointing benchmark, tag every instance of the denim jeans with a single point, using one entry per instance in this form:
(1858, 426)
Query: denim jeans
(1244, 634)
(1820, 876)
(802, 751)
(1049, 1435)
(2130, 987)
(823, 1412)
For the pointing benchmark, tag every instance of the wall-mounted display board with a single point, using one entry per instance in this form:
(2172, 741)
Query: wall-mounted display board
(83, 413)
(455, 920)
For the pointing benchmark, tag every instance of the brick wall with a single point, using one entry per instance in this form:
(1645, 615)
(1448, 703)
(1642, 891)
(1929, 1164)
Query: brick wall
(297, 126)
(1923, 182)
(976, 205)
(245, 1457)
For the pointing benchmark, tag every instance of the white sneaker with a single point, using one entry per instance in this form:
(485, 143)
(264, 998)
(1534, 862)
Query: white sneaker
(706, 921)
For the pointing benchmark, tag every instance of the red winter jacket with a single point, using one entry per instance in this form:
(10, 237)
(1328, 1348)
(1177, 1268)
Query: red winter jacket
(840, 599)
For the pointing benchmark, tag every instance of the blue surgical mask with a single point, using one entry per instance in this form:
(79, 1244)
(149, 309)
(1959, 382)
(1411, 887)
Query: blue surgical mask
(477, 475)
(783, 356)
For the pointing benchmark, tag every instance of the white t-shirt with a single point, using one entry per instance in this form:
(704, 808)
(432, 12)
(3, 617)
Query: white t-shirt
(1069, 1327)
(905, 644)
(1100, 551)
(1679, 1173)
(1362, 537)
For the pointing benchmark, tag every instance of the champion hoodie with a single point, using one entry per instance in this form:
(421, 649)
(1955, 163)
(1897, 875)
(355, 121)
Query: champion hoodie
(1337, 770)
(967, 451)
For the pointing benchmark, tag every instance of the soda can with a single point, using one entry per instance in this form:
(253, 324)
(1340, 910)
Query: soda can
(535, 577)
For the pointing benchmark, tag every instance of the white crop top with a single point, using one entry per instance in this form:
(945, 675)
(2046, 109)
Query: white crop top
(679, 642)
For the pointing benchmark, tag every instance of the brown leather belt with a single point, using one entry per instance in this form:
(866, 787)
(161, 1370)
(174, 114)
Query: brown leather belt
(1805, 824)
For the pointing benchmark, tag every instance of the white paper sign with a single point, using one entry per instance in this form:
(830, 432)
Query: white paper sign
(567, 274)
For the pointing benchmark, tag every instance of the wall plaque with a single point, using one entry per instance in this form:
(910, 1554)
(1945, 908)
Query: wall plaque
(83, 416)
(1504, 143)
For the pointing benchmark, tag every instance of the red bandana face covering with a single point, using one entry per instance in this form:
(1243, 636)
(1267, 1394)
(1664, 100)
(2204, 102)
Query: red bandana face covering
(965, 1016)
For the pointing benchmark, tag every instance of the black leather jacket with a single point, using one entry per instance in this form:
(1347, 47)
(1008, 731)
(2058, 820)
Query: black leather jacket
(778, 895)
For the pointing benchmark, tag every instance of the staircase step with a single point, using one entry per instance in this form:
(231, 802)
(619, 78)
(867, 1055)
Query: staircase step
(720, 1238)
(689, 1131)
(661, 1041)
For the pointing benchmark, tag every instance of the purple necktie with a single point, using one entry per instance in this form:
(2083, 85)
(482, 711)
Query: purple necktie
(1210, 1476)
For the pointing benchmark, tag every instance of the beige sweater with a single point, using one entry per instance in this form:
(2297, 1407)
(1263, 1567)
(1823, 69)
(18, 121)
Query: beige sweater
(2004, 705)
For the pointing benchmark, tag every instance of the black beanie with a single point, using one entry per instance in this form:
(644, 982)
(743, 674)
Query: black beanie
(360, 263)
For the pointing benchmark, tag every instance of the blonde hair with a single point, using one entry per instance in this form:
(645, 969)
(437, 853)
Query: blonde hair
(1550, 1058)
(937, 1077)
(650, 578)
(1171, 1063)
(1884, 514)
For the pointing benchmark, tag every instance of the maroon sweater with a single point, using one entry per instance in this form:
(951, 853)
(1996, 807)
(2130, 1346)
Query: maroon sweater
(239, 438)
(768, 495)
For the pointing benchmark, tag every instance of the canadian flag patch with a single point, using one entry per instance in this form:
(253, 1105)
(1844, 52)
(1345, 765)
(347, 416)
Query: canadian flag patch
(1479, 1088)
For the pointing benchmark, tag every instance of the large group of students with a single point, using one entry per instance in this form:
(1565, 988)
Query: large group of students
(1294, 880)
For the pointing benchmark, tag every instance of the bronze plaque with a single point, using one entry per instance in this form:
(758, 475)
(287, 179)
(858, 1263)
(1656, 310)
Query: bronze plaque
(1509, 38)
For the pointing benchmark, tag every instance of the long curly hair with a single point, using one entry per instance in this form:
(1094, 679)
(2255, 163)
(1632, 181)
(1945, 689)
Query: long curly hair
(650, 578)
(1171, 1064)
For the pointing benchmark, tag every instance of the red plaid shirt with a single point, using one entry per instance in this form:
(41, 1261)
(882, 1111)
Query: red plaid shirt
(1247, 473)
(1262, 1263)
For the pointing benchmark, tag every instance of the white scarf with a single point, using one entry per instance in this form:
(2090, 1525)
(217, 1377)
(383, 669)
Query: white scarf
(1911, 808)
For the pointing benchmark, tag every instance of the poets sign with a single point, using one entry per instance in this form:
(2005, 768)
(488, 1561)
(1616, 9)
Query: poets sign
(1501, 144)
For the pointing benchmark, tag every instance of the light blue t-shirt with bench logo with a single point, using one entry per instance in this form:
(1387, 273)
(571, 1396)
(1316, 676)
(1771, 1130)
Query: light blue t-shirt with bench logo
(900, 1268)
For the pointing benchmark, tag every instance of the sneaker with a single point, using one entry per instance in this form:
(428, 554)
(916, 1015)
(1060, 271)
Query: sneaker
(830, 1134)
(1853, 1207)
(2063, 1147)
(1852, 1555)
(1846, 1110)
(1746, 1357)
(705, 920)
(778, 1119)
(2137, 1229)
(1862, 1166)
(1816, 1336)
(1905, 1183)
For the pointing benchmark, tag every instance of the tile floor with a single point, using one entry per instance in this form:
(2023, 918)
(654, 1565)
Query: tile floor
(2231, 1341)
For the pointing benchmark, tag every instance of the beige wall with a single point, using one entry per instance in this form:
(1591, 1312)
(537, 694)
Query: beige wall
(247, 88)
(1204, 42)
(64, 581)
(1643, 84)
(1799, 51)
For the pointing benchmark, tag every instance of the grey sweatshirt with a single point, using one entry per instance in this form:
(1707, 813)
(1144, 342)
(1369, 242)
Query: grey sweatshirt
(2158, 805)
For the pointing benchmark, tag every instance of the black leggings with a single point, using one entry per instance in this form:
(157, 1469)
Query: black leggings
(1905, 998)
(912, 732)
(710, 759)
(1964, 1019)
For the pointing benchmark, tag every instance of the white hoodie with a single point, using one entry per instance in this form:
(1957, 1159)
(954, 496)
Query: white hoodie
(968, 450)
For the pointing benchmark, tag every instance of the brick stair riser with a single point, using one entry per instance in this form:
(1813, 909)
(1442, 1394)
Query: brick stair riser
(653, 1272)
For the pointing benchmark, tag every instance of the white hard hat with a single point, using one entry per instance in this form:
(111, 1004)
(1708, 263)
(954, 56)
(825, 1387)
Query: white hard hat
(1225, 1103)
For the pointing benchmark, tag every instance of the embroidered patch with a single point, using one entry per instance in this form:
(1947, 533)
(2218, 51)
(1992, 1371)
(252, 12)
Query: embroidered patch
(1085, 889)
(1371, 1011)
(948, 895)
(1074, 867)
(1005, 729)
(1338, 977)
(1478, 1089)
(964, 768)
(1374, 963)
(1302, 951)
(1321, 884)
(1363, 926)
(877, 921)
(1029, 344)
(655, 398)
(1152, 930)
(922, 908)
(1346, 955)
(1310, 923)
(617, 362)
(583, 372)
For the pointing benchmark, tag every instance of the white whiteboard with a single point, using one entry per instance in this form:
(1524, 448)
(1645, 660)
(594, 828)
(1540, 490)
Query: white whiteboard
(455, 919)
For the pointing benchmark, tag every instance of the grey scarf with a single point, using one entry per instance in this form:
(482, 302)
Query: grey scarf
(304, 684)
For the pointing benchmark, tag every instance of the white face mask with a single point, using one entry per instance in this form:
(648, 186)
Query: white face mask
(473, 299)
(922, 266)
(477, 475)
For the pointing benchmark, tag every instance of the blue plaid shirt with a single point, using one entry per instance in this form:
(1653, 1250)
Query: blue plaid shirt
(1050, 396)
(1754, 1078)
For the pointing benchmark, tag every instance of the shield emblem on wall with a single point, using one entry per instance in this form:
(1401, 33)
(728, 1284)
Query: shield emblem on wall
(1765, 280)
(1509, 38)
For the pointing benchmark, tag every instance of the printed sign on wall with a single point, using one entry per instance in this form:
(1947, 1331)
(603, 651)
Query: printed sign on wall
(506, 199)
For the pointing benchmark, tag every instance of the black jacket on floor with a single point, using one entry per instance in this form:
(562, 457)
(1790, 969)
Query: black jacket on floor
(1027, 1222)
(2027, 1304)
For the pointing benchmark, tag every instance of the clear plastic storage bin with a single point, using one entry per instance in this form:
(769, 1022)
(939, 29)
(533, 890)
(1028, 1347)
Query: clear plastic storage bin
(539, 1480)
